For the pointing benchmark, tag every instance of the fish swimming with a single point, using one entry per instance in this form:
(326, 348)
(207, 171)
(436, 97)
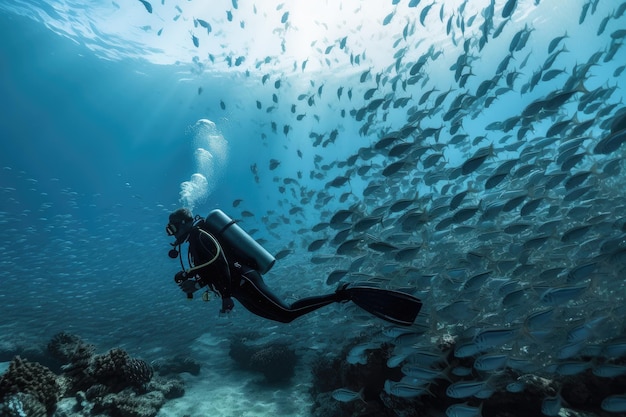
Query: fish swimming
(147, 5)
(274, 163)
(464, 410)
(614, 403)
(346, 395)
(464, 389)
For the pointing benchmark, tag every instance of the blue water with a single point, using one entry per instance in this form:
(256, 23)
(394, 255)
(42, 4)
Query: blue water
(101, 117)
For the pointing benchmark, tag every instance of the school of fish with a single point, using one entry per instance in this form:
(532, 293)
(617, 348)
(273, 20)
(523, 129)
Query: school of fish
(512, 233)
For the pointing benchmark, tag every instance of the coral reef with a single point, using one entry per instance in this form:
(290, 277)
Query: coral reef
(65, 346)
(128, 403)
(276, 361)
(114, 369)
(118, 370)
(170, 388)
(38, 383)
(22, 405)
(110, 384)
(76, 356)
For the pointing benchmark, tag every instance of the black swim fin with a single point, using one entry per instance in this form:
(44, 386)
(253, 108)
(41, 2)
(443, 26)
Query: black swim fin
(394, 306)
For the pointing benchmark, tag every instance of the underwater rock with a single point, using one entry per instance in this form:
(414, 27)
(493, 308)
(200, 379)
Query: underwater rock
(275, 360)
(176, 365)
(326, 374)
(36, 381)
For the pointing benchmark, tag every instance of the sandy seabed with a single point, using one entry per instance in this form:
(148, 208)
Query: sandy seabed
(221, 390)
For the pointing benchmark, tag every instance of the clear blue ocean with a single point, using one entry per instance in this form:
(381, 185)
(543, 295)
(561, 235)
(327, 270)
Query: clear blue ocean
(482, 137)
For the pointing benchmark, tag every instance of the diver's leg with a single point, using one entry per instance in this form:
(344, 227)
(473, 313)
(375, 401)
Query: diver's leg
(255, 296)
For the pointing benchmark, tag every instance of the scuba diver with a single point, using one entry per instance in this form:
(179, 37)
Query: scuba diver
(226, 260)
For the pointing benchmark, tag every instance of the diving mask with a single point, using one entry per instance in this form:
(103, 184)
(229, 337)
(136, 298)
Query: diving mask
(171, 229)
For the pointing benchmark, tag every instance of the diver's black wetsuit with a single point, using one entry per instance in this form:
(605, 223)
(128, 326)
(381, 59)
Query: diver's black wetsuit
(230, 278)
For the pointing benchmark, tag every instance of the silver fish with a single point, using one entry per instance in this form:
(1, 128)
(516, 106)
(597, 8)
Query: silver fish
(464, 389)
(345, 395)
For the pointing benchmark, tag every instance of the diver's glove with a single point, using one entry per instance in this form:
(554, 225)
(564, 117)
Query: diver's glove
(180, 277)
(189, 287)
(227, 305)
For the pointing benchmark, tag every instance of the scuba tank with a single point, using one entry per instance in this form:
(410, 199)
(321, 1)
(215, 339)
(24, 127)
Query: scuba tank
(243, 246)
